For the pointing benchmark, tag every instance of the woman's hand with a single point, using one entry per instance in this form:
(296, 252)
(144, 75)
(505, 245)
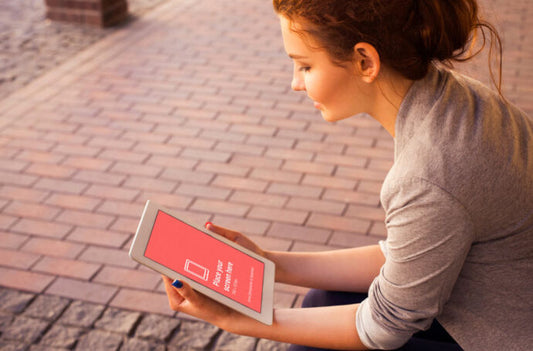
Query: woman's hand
(320, 327)
(236, 237)
(185, 299)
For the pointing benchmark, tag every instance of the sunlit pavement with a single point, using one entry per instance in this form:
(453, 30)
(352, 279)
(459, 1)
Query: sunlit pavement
(189, 106)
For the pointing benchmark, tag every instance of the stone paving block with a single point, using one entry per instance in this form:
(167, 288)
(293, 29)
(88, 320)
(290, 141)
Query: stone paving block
(45, 348)
(239, 148)
(66, 186)
(47, 307)
(121, 208)
(21, 193)
(118, 321)
(183, 175)
(308, 167)
(339, 223)
(114, 257)
(231, 342)
(81, 314)
(145, 301)
(32, 210)
(361, 173)
(156, 327)
(11, 240)
(366, 212)
(128, 278)
(222, 207)
(193, 336)
(16, 178)
(150, 184)
(281, 215)
(89, 163)
(25, 329)
(6, 345)
(269, 345)
(78, 202)
(276, 175)
(13, 301)
(329, 182)
(252, 198)
(52, 171)
(307, 191)
(351, 197)
(90, 219)
(295, 232)
(66, 267)
(62, 336)
(323, 206)
(24, 280)
(205, 191)
(98, 237)
(53, 247)
(99, 340)
(5, 320)
(134, 344)
(231, 182)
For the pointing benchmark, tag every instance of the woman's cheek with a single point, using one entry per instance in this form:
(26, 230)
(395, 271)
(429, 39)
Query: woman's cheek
(313, 88)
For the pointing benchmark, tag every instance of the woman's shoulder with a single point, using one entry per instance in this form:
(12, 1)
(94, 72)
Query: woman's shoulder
(449, 110)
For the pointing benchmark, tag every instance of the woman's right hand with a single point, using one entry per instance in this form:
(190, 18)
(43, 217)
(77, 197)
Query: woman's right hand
(236, 237)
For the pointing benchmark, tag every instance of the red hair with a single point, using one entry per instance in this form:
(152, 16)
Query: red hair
(408, 34)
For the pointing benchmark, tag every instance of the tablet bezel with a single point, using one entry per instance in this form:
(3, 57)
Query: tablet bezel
(140, 242)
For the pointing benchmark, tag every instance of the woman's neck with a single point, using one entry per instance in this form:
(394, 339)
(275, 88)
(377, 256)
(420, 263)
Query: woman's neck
(391, 89)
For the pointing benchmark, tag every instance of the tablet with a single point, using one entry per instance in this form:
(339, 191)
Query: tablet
(210, 263)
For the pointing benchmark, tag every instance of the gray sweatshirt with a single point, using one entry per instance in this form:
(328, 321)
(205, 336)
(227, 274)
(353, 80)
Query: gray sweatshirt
(459, 217)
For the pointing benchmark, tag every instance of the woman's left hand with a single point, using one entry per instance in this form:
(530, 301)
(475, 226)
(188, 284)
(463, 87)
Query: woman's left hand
(189, 301)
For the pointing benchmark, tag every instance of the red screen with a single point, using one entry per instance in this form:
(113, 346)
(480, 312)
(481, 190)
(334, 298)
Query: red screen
(207, 261)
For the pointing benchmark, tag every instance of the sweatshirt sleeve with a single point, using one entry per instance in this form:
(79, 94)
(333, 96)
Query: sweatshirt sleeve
(429, 234)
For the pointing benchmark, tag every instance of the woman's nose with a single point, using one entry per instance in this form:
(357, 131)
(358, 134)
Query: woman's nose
(297, 83)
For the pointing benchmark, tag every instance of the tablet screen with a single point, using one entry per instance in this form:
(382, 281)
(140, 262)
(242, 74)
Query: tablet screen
(207, 261)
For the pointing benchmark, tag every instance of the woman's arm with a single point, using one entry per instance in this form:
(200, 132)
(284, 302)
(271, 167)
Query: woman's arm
(325, 327)
(340, 270)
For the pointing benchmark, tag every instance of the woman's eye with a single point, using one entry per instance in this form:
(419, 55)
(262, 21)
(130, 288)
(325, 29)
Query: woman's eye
(304, 69)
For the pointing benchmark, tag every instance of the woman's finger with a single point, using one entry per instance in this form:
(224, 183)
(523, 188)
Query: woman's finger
(236, 237)
(175, 299)
(185, 290)
(229, 234)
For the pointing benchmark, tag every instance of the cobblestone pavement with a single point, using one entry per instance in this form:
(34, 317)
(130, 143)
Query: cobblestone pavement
(46, 323)
(31, 45)
(188, 105)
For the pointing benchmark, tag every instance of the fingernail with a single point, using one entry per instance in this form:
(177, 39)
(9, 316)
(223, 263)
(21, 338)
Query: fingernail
(208, 224)
(176, 283)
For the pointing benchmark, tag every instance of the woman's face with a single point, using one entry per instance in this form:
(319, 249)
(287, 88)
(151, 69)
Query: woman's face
(336, 91)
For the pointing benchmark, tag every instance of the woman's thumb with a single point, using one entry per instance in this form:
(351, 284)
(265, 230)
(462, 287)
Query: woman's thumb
(184, 289)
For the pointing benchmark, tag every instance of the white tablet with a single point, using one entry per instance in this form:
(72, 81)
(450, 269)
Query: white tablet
(210, 263)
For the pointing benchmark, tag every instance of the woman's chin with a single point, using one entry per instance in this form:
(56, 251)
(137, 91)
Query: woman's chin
(328, 117)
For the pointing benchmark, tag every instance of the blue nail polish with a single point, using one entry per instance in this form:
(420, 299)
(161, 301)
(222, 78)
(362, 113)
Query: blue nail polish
(176, 283)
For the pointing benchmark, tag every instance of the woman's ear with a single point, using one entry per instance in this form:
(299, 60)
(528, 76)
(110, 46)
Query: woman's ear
(367, 62)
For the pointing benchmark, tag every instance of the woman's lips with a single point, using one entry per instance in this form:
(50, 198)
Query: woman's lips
(317, 105)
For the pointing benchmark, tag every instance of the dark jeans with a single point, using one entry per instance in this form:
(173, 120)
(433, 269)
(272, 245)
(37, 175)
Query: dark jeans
(433, 339)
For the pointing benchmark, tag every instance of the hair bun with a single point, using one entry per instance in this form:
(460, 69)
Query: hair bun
(445, 27)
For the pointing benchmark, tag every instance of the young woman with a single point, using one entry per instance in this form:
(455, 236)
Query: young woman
(458, 258)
